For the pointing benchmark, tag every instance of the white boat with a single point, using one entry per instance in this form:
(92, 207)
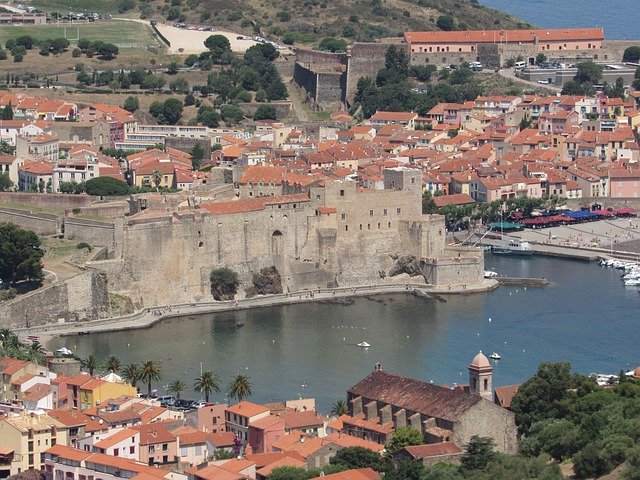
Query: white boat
(490, 274)
(363, 345)
(64, 351)
(514, 247)
(495, 356)
(632, 282)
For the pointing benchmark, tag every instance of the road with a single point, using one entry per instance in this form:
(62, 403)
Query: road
(12, 9)
(510, 74)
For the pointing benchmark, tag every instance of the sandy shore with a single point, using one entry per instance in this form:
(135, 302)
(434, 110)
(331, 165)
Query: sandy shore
(149, 316)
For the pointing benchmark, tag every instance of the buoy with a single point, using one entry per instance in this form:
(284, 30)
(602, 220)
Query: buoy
(343, 339)
(407, 336)
(273, 341)
(489, 319)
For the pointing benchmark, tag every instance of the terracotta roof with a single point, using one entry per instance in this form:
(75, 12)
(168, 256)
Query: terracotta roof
(153, 433)
(419, 452)
(282, 462)
(505, 394)
(415, 395)
(114, 439)
(247, 409)
(9, 366)
(37, 168)
(193, 438)
(453, 199)
(68, 453)
(223, 439)
(354, 474)
(393, 116)
(37, 392)
(251, 204)
(504, 36)
(7, 159)
(263, 459)
(71, 418)
(268, 422)
(302, 419)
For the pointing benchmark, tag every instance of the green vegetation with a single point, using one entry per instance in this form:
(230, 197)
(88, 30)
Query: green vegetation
(167, 112)
(332, 44)
(20, 255)
(391, 89)
(150, 372)
(131, 104)
(339, 408)
(631, 54)
(90, 364)
(12, 346)
(589, 73)
(5, 182)
(239, 388)
(207, 383)
(108, 32)
(177, 387)
(403, 437)
(566, 416)
(224, 283)
(106, 187)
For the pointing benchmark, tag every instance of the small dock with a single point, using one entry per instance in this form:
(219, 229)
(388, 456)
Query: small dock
(524, 282)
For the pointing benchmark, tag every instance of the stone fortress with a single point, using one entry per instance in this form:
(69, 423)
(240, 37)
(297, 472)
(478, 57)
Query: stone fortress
(334, 235)
(330, 79)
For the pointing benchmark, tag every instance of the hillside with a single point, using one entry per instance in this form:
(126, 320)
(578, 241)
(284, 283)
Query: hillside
(307, 21)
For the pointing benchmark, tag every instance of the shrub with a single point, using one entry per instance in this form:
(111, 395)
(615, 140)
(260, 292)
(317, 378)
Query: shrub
(288, 38)
(224, 283)
(8, 294)
(106, 187)
(332, 44)
(265, 112)
(76, 52)
(82, 245)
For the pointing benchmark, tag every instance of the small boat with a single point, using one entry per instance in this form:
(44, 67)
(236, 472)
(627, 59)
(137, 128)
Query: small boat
(495, 356)
(64, 351)
(239, 324)
(363, 345)
(490, 274)
(632, 282)
(514, 247)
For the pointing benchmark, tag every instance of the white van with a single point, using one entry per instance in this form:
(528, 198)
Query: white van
(520, 65)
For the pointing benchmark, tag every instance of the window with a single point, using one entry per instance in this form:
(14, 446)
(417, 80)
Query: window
(198, 449)
(486, 383)
(165, 447)
(343, 216)
(346, 228)
(116, 452)
(183, 451)
(398, 211)
(371, 213)
(341, 193)
(132, 450)
(152, 449)
(384, 212)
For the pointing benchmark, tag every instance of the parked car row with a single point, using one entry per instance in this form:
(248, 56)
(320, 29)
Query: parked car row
(181, 404)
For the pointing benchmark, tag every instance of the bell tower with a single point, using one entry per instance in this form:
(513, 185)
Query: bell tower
(480, 377)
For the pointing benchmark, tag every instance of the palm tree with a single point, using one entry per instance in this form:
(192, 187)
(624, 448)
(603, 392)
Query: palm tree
(177, 387)
(150, 371)
(90, 363)
(35, 352)
(339, 408)
(239, 387)
(206, 383)
(112, 364)
(157, 178)
(5, 333)
(131, 373)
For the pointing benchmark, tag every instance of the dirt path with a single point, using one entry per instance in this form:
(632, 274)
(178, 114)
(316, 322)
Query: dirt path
(296, 101)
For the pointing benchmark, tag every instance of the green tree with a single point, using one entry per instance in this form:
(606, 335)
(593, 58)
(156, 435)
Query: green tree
(403, 437)
(107, 51)
(207, 383)
(90, 363)
(20, 254)
(239, 387)
(173, 68)
(106, 187)
(126, 5)
(231, 114)
(177, 387)
(357, 457)
(339, 408)
(589, 72)
(208, 116)
(5, 182)
(478, 453)
(59, 45)
(541, 58)
(265, 112)
(150, 372)
(132, 373)
(332, 44)
(156, 177)
(446, 23)
(112, 364)
(179, 85)
(131, 104)
(218, 45)
(224, 283)
(546, 394)
(197, 155)
(631, 54)
(7, 112)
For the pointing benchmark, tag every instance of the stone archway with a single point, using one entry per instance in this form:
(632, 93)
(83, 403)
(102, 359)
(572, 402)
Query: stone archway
(277, 245)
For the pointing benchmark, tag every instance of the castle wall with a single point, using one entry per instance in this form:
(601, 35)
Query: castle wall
(76, 298)
(457, 266)
(365, 59)
(47, 200)
(41, 223)
(89, 231)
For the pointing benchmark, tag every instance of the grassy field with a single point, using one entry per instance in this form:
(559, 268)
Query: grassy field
(118, 32)
(100, 6)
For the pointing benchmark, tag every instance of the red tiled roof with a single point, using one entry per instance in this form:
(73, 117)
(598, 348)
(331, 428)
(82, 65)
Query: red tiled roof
(513, 36)
(354, 474)
(505, 394)
(247, 409)
(453, 199)
(432, 450)
(68, 453)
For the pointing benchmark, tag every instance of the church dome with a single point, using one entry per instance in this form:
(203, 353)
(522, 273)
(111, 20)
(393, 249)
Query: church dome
(480, 361)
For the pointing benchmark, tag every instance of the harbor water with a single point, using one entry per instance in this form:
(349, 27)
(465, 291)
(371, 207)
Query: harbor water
(618, 17)
(586, 316)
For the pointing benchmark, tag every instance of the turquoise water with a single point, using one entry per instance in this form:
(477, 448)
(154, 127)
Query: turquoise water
(586, 317)
(620, 18)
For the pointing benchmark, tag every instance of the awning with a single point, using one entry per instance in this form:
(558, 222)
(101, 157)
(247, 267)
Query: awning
(505, 226)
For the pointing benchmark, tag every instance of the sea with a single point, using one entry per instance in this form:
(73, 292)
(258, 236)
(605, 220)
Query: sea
(618, 17)
(586, 317)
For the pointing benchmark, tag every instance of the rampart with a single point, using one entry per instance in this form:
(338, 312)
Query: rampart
(365, 60)
(74, 299)
(324, 84)
(42, 223)
(92, 232)
(47, 200)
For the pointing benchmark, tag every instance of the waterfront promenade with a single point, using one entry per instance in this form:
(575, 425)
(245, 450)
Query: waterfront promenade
(149, 316)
